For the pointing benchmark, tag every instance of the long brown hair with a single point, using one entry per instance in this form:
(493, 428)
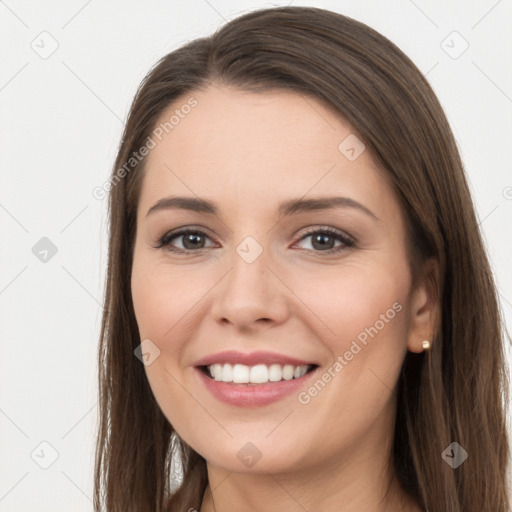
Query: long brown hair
(455, 393)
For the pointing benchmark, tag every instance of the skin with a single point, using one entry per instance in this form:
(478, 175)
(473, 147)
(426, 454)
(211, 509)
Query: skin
(248, 152)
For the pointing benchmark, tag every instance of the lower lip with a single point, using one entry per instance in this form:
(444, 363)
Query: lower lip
(253, 395)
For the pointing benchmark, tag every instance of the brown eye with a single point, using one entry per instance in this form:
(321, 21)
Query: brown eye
(323, 240)
(191, 240)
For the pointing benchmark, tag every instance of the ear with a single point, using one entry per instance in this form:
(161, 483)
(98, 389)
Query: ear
(425, 307)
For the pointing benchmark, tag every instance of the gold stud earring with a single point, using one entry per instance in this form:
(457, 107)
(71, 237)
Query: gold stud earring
(426, 345)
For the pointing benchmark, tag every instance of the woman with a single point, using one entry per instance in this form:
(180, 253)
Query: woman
(296, 264)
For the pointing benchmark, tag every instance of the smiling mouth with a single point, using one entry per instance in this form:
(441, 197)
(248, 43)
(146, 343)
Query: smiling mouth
(257, 374)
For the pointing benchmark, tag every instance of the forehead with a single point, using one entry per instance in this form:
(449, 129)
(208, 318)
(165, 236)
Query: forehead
(271, 123)
(256, 147)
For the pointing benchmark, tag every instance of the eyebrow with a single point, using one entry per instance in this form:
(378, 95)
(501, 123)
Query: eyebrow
(286, 208)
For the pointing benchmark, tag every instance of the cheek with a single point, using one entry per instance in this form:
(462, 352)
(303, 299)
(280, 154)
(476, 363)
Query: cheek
(162, 302)
(167, 302)
(163, 299)
(367, 312)
(360, 298)
(365, 309)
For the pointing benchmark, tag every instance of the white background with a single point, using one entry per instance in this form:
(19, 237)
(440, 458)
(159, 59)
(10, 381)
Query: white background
(61, 120)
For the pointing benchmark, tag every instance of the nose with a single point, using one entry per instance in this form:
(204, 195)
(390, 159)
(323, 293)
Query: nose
(251, 296)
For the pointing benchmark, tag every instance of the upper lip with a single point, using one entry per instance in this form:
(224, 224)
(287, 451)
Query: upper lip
(250, 359)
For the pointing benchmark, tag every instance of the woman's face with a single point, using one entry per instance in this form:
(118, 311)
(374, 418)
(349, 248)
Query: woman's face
(264, 280)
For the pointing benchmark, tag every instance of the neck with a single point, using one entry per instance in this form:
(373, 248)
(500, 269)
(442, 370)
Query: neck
(253, 493)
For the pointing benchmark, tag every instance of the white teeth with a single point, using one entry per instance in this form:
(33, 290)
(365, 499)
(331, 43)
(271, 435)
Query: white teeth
(258, 374)
(288, 372)
(216, 371)
(240, 374)
(275, 373)
(226, 373)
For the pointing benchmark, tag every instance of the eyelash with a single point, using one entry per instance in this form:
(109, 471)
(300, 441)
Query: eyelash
(347, 242)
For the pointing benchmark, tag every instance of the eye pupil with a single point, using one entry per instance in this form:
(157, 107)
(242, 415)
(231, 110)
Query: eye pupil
(191, 237)
(322, 241)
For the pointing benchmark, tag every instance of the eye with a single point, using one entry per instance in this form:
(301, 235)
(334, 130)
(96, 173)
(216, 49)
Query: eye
(323, 239)
(192, 240)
